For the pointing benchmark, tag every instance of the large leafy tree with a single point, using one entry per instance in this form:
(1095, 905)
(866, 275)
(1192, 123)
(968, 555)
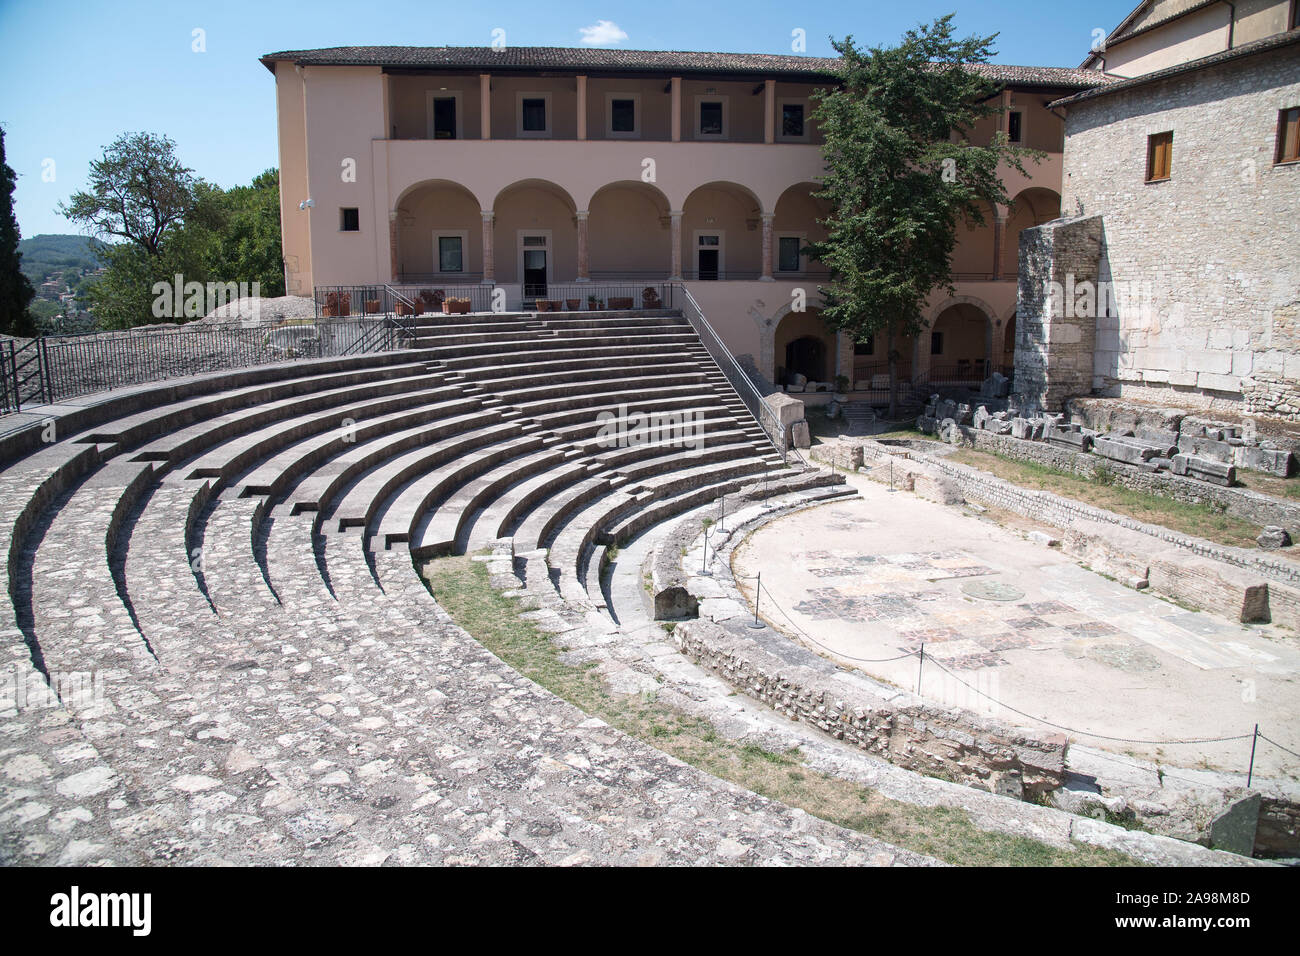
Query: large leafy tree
(166, 223)
(139, 190)
(901, 174)
(16, 292)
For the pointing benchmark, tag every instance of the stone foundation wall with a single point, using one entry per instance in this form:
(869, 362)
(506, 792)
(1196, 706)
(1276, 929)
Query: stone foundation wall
(943, 742)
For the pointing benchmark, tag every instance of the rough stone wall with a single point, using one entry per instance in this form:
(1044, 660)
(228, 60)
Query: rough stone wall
(1205, 263)
(1054, 345)
(939, 741)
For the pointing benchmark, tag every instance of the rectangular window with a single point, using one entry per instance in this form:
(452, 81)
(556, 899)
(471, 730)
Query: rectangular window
(349, 219)
(792, 120)
(788, 254)
(1288, 136)
(622, 116)
(1013, 126)
(444, 117)
(711, 118)
(936, 343)
(1160, 156)
(451, 257)
(534, 114)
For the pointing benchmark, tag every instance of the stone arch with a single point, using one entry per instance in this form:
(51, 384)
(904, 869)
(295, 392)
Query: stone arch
(735, 214)
(427, 209)
(1031, 207)
(630, 231)
(801, 342)
(796, 211)
(541, 207)
(965, 350)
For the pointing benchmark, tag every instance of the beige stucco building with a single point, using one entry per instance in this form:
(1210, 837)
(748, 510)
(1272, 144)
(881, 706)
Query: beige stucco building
(540, 172)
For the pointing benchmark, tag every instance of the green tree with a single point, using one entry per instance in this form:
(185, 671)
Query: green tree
(901, 175)
(250, 248)
(16, 292)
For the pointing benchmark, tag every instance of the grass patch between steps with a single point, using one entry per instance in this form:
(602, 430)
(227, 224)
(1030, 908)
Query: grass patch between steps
(462, 586)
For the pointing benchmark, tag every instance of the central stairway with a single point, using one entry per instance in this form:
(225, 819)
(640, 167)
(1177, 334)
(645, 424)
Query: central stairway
(223, 652)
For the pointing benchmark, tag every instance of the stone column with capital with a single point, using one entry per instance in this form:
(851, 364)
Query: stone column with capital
(677, 245)
(999, 232)
(489, 256)
(484, 105)
(584, 261)
(767, 247)
(393, 258)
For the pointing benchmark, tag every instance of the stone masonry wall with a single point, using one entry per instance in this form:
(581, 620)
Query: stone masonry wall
(1055, 346)
(1205, 264)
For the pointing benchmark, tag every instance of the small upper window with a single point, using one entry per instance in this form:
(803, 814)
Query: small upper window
(936, 343)
(622, 116)
(1160, 156)
(350, 219)
(711, 118)
(792, 119)
(534, 114)
(1288, 136)
(1014, 121)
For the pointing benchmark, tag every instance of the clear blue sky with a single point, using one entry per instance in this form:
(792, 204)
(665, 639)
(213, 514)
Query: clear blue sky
(76, 75)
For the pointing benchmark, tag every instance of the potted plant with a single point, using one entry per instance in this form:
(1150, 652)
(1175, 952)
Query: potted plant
(620, 302)
(345, 303)
(594, 303)
(452, 306)
(573, 305)
(372, 306)
(542, 305)
(330, 308)
(650, 298)
(841, 388)
(404, 309)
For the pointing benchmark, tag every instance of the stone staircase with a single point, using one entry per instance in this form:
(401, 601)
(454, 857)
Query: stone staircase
(215, 576)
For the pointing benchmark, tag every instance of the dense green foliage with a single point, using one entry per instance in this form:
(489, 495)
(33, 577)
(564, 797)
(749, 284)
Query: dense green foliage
(47, 254)
(902, 174)
(168, 223)
(16, 290)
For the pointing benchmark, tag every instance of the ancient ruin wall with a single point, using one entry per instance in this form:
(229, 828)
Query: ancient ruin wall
(1206, 262)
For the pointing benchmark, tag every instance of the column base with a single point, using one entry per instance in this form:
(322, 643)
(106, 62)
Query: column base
(583, 279)
(766, 279)
(488, 282)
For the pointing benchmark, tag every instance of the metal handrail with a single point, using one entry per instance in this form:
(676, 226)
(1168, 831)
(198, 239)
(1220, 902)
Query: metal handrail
(739, 378)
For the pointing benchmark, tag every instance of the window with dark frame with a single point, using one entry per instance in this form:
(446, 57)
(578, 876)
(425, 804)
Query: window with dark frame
(792, 119)
(936, 343)
(349, 219)
(1014, 120)
(534, 118)
(787, 259)
(711, 118)
(1288, 136)
(451, 255)
(622, 116)
(1160, 156)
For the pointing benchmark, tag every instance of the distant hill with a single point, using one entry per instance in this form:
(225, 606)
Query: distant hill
(45, 255)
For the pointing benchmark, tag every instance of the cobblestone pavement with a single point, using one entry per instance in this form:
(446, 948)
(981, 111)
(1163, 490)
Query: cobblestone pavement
(270, 721)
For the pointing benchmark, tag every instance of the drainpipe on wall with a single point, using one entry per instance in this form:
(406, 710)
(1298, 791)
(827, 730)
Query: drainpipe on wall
(1232, 20)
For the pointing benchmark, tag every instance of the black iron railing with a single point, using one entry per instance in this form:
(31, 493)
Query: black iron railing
(54, 368)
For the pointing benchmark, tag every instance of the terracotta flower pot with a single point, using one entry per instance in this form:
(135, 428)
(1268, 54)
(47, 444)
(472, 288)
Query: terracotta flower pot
(573, 305)
(372, 306)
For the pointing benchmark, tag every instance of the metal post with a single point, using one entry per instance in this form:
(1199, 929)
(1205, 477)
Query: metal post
(919, 668)
(1250, 774)
(704, 567)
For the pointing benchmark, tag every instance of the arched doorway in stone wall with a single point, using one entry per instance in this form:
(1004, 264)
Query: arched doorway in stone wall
(804, 345)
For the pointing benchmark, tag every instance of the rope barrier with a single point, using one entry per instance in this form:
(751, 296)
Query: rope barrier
(1042, 720)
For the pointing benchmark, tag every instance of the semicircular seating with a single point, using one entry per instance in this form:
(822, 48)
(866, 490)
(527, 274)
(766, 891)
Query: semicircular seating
(233, 557)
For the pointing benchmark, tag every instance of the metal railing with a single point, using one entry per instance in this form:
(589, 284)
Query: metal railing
(739, 379)
(54, 368)
(600, 296)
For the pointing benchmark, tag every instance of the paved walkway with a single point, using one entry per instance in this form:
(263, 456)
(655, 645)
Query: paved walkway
(877, 577)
